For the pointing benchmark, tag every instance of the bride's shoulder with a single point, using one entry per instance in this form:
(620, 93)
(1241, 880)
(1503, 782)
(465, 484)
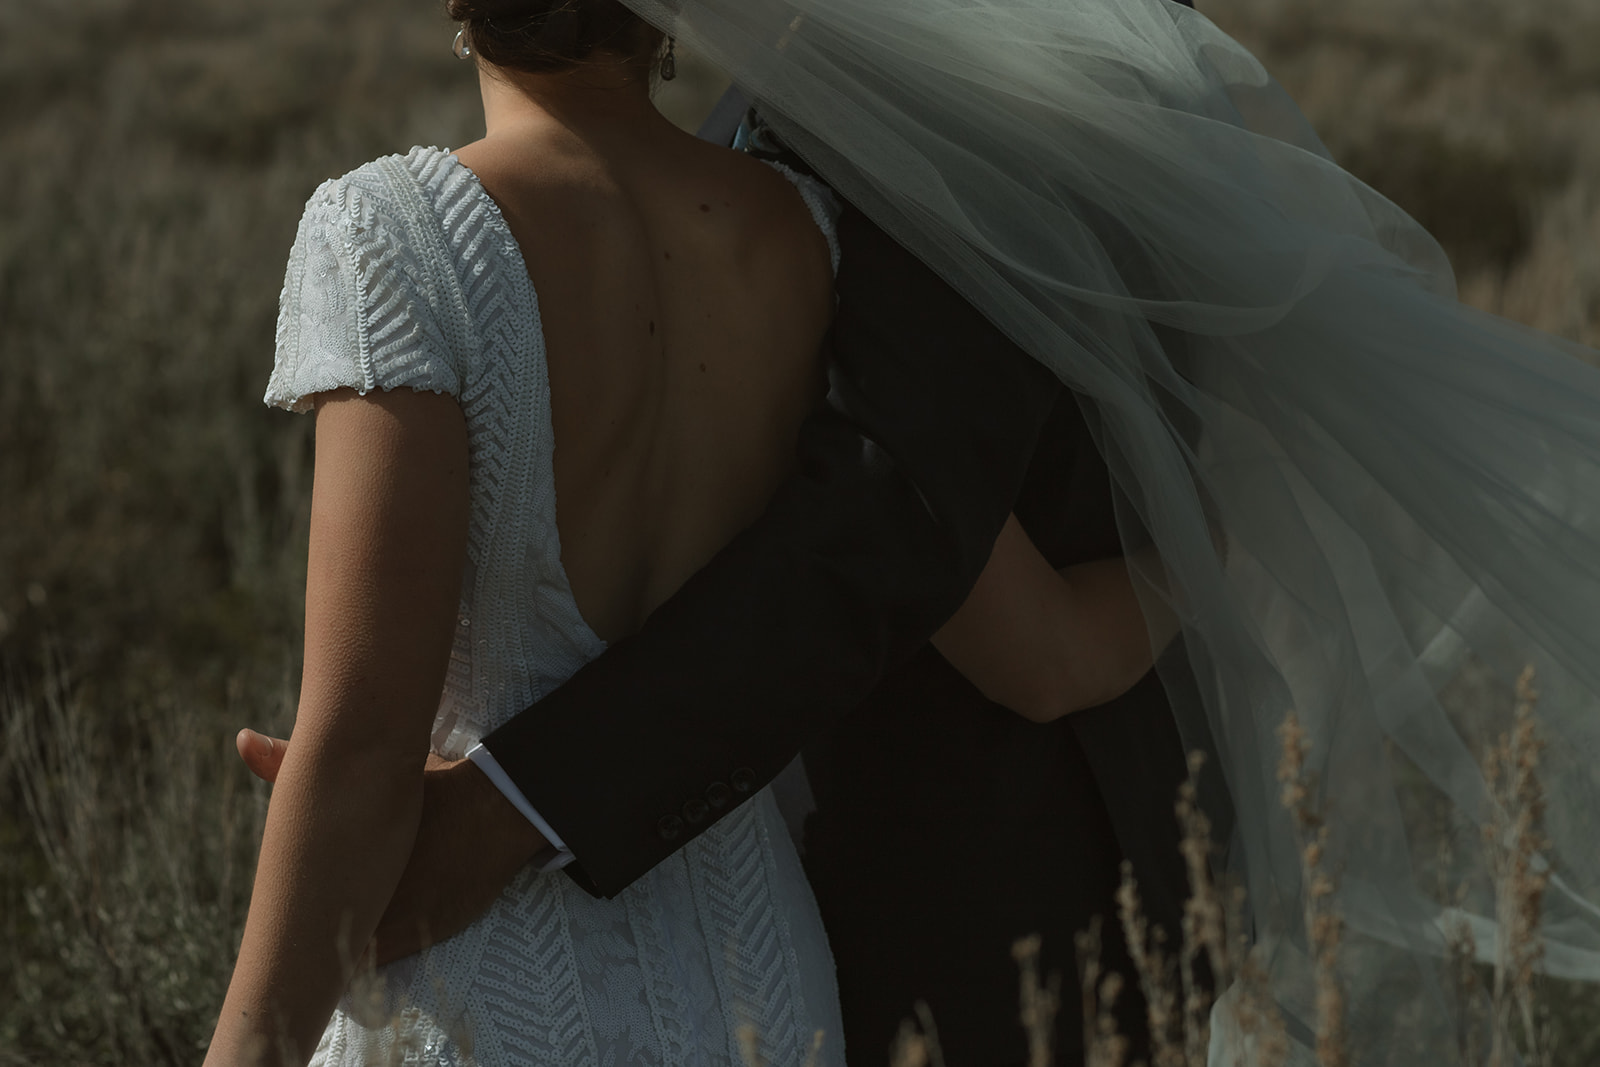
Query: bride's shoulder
(380, 197)
(383, 192)
(412, 214)
(771, 215)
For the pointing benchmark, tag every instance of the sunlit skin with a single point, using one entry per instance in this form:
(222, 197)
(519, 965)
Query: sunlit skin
(388, 541)
(684, 293)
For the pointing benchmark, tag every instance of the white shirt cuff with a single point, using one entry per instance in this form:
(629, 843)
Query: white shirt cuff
(549, 860)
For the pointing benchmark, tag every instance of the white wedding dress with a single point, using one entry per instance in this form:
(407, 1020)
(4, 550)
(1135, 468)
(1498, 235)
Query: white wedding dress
(405, 274)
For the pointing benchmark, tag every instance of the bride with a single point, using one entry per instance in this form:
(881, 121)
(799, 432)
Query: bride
(589, 275)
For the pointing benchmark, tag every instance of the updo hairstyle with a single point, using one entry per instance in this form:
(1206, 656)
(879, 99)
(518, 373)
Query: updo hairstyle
(541, 36)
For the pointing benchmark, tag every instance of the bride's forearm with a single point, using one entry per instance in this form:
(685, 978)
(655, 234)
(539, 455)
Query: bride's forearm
(338, 833)
(389, 516)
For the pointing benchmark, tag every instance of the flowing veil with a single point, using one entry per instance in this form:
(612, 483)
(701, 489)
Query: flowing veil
(1367, 503)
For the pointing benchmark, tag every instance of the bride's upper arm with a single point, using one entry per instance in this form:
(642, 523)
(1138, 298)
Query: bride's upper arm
(389, 517)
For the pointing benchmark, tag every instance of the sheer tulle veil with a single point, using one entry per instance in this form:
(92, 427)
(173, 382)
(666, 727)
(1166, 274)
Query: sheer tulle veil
(1367, 502)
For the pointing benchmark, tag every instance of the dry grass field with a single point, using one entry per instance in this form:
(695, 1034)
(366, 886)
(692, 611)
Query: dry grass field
(156, 155)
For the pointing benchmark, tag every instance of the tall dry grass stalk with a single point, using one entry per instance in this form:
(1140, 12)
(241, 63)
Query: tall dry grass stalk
(1206, 919)
(917, 1043)
(1516, 843)
(1103, 1045)
(1323, 925)
(1156, 975)
(1040, 1002)
(1214, 931)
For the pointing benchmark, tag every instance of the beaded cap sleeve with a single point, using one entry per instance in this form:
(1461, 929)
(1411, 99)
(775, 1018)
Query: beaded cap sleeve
(360, 307)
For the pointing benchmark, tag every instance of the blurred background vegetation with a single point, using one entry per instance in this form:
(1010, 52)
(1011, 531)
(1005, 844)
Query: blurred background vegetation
(153, 513)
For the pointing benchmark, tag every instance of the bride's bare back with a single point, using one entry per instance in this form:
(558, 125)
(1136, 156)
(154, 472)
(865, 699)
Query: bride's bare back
(685, 291)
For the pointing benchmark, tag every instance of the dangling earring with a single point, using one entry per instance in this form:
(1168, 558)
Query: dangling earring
(461, 48)
(669, 62)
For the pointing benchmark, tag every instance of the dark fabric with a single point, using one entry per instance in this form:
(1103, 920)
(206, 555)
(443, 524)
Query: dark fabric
(905, 478)
(947, 827)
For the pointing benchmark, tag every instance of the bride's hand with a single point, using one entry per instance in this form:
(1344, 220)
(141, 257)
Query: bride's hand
(264, 755)
(470, 844)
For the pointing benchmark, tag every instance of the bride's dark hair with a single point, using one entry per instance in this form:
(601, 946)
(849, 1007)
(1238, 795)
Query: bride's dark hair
(539, 36)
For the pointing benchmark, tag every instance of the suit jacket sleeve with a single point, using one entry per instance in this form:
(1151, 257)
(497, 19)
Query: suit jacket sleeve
(904, 479)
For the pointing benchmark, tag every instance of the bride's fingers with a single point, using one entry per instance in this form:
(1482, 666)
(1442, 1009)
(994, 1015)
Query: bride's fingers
(436, 762)
(262, 754)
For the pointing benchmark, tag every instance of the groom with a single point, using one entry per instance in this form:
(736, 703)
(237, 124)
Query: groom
(946, 827)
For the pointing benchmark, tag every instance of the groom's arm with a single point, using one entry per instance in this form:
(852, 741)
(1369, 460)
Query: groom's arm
(905, 479)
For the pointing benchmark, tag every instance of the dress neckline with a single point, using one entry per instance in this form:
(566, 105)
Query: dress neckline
(519, 264)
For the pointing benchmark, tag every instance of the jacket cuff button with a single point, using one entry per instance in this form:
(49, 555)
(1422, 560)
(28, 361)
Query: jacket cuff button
(670, 828)
(743, 779)
(695, 812)
(719, 796)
